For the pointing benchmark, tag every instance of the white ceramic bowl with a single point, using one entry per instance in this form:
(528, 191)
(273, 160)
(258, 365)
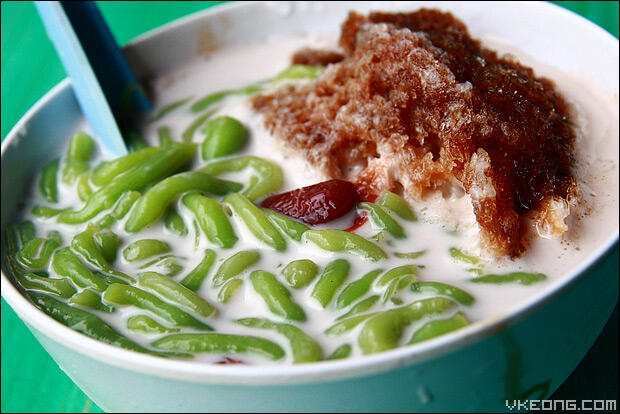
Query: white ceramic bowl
(527, 352)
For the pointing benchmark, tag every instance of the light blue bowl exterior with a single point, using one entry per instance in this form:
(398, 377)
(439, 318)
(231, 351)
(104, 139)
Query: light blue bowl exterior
(527, 360)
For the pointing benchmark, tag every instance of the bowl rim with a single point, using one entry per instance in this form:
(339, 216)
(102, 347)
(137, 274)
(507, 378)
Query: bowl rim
(286, 374)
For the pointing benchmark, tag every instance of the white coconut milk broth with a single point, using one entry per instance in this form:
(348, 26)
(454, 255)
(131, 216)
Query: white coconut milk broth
(435, 233)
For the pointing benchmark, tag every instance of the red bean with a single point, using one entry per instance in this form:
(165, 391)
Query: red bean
(315, 204)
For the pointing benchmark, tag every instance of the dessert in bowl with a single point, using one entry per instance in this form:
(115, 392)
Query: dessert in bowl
(416, 283)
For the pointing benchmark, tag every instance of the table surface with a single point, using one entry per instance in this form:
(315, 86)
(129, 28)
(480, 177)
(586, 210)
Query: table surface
(31, 381)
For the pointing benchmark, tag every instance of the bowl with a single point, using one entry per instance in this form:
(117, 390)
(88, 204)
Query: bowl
(525, 353)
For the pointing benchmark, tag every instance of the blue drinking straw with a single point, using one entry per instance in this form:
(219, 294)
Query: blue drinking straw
(108, 92)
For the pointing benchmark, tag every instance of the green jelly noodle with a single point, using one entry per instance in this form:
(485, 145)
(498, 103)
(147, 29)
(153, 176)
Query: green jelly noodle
(176, 293)
(331, 279)
(299, 273)
(212, 219)
(123, 295)
(276, 296)
(143, 249)
(235, 265)
(256, 221)
(227, 291)
(220, 343)
(384, 330)
(194, 279)
(343, 241)
(147, 325)
(223, 136)
(305, 349)
(439, 327)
